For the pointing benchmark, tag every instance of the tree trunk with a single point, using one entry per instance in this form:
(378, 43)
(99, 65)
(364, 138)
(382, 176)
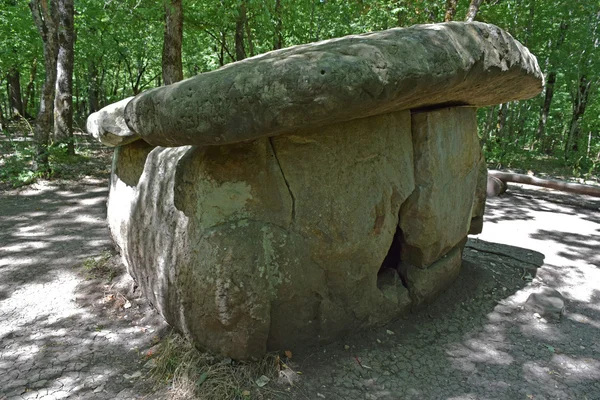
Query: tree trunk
(93, 88)
(14, 93)
(240, 22)
(450, 10)
(278, 26)
(502, 112)
(547, 183)
(473, 10)
(172, 69)
(44, 14)
(63, 100)
(580, 98)
(545, 111)
(28, 97)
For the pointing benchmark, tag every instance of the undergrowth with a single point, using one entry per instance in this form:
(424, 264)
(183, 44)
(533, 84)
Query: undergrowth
(192, 374)
(17, 153)
(100, 267)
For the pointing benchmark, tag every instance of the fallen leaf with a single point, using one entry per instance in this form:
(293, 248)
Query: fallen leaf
(262, 381)
(550, 348)
(202, 379)
(389, 332)
(246, 393)
(288, 354)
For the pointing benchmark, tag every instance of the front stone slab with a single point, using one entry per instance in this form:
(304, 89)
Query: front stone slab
(437, 215)
(228, 242)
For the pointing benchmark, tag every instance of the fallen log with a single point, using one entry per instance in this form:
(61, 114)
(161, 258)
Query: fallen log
(495, 188)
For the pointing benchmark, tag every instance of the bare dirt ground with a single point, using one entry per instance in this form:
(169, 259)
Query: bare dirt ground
(64, 335)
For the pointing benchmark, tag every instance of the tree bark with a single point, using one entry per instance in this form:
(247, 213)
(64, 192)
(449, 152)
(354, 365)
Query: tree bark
(44, 14)
(278, 26)
(93, 88)
(240, 22)
(580, 99)
(450, 10)
(28, 97)
(545, 111)
(63, 100)
(547, 183)
(172, 68)
(14, 93)
(473, 10)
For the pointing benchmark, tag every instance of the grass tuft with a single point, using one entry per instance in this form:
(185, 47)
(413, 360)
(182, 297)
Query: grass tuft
(192, 374)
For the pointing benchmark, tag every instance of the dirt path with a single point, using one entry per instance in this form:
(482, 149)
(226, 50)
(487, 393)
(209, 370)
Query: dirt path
(62, 336)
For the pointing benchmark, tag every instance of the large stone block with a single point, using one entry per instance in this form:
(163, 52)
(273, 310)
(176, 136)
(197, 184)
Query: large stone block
(437, 215)
(230, 241)
(337, 80)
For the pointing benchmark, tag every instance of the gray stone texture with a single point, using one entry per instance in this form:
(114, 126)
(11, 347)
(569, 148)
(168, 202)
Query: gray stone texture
(109, 127)
(476, 226)
(310, 192)
(547, 302)
(229, 241)
(337, 80)
(437, 215)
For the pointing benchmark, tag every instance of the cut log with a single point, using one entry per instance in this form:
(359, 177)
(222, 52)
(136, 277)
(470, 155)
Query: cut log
(506, 177)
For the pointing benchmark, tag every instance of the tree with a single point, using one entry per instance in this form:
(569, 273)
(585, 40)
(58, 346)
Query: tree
(450, 10)
(63, 100)
(14, 93)
(473, 10)
(44, 14)
(172, 69)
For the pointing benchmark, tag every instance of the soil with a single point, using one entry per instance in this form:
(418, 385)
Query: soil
(68, 332)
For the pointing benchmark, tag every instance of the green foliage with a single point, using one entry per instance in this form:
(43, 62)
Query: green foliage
(17, 152)
(119, 45)
(100, 267)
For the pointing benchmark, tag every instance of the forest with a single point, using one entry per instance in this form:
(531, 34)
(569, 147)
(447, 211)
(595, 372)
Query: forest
(64, 59)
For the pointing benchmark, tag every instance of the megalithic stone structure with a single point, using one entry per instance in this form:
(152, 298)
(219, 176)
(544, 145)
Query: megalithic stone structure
(295, 196)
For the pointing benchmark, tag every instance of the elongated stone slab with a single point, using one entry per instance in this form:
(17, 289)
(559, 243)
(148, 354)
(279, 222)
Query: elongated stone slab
(337, 80)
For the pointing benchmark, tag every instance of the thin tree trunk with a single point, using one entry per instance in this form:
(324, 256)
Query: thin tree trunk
(580, 99)
(63, 100)
(545, 111)
(278, 26)
(240, 51)
(28, 97)
(502, 112)
(473, 10)
(172, 68)
(450, 10)
(14, 93)
(93, 92)
(44, 14)
(250, 37)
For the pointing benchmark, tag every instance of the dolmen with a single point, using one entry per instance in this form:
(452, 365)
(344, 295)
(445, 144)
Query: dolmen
(293, 197)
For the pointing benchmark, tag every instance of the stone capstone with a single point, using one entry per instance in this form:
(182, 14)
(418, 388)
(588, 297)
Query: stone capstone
(109, 127)
(294, 197)
(337, 80)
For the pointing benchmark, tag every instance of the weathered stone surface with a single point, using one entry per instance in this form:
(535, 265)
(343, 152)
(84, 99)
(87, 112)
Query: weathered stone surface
(425, 284)
(480, 197)
(437, 215)
(109, 127)
(230, 241)
(338, 80)
(547, 302)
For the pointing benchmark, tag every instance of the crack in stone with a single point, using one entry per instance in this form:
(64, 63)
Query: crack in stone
(287, 183)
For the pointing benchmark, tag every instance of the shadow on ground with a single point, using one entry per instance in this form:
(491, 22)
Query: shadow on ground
(63, 335)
